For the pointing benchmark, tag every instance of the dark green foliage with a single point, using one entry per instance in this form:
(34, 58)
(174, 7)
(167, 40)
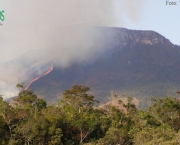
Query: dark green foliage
(78, 120)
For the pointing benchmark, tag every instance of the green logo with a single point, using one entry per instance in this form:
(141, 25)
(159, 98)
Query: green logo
(2, 15)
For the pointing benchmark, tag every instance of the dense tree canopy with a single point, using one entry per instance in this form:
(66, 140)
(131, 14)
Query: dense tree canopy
(77, 119)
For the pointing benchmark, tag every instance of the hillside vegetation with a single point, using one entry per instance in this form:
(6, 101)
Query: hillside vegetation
(78, 119)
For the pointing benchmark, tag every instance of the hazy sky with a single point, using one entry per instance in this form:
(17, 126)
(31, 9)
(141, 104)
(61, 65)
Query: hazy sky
(25, 17)
(157, 16)
(52, 26)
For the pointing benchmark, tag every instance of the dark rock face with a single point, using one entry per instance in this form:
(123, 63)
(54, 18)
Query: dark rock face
(131, 58)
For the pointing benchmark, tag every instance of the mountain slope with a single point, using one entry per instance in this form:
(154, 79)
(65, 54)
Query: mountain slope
(132, 59)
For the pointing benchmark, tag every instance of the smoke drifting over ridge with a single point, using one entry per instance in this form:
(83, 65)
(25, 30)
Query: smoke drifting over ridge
(41, 33)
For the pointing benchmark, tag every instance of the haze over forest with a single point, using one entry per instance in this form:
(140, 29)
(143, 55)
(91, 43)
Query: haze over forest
(60, 31)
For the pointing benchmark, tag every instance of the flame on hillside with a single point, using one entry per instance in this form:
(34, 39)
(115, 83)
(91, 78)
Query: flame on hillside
(37, 78)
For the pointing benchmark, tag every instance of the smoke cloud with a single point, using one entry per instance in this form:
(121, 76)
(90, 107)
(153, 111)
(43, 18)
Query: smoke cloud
(41, 33)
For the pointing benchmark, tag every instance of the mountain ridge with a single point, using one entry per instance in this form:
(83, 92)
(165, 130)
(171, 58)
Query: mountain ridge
(131, 58)
(129, 36)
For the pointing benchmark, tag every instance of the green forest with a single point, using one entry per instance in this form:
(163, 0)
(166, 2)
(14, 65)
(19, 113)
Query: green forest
(78, 119)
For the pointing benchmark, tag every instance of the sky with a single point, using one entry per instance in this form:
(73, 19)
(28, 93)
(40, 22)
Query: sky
(157, 16)
(58, 29)
(154, 15)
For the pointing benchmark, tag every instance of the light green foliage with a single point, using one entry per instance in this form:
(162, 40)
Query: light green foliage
(78, 97)
(114, 136)
(166, 111)
(156, 135)
(27, 99)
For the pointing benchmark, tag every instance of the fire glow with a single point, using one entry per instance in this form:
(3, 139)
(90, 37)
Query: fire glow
(37, 78)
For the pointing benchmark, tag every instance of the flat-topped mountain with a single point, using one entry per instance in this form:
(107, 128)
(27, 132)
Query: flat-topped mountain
(143, 62)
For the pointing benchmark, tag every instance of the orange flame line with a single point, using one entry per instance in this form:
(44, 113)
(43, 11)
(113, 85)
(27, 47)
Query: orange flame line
(37, 78)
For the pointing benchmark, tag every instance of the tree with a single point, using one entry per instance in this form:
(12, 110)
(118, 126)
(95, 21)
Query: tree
(55, 117)
(166, 111)
(27, 101)
(4, 133)
(78, 106)
(38, 131)
(114, 136)
(27, 98)
(156, 135)
(78, 97)
(9, 115)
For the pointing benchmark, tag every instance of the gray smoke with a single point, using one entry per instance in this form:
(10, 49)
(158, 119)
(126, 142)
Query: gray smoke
(37, 34)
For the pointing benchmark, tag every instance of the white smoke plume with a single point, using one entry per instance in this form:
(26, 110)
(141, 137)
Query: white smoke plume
(37, 34)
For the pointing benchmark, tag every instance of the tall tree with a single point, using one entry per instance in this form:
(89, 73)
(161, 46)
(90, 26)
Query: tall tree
(78, 97)
(79, 107)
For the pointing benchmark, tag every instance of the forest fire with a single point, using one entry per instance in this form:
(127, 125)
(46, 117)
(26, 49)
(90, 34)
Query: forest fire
(37, 78)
